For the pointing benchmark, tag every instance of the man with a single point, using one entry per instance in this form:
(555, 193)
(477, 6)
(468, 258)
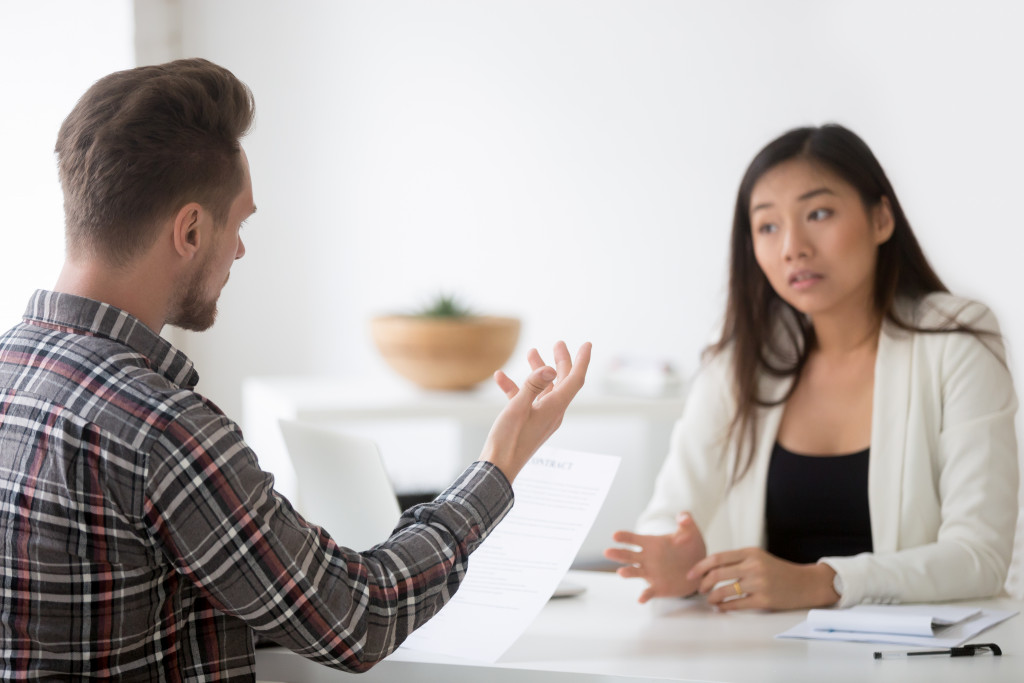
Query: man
(139, 538)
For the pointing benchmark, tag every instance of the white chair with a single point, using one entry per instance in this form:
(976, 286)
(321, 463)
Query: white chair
(342, 484)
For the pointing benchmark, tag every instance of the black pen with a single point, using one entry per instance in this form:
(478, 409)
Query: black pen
(963, 651)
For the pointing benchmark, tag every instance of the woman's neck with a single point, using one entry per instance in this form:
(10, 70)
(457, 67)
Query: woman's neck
(852, 332)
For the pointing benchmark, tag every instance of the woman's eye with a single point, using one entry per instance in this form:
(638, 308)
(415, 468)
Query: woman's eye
(819, 214)
(767, 228)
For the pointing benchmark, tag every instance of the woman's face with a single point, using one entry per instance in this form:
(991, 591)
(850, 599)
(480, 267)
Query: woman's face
(815, 240)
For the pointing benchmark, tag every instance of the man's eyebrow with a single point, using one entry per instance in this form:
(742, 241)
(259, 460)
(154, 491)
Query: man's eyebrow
(804, 197)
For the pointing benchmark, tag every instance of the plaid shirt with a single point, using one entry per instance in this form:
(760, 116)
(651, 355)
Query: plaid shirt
(139, 538)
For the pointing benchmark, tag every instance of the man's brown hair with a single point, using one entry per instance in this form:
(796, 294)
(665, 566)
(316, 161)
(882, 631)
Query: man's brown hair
(143, 142)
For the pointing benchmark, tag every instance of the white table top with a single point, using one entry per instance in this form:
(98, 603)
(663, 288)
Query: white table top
(604, 636)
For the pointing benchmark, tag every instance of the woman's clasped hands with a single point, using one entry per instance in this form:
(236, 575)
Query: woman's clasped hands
(677, 565)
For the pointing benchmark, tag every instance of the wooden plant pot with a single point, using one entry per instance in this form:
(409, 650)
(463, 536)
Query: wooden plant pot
(445, 353)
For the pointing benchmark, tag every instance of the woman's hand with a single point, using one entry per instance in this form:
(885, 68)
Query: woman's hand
(757, 579)
(662, 560)
(534, 411)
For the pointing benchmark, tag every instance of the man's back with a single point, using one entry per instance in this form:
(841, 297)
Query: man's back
(139, 539)
(84, 421)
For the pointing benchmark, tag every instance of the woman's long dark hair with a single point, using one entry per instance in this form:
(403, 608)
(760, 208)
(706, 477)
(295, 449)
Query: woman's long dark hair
(755, 313)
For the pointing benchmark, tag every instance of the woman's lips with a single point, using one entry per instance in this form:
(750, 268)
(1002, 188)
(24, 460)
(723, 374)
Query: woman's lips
(804, 279)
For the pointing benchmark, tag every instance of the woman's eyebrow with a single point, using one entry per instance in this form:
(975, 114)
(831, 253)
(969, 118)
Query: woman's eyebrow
(804, 197)
(814, 193)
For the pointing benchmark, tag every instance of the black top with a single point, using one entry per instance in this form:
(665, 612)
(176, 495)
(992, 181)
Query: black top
(817, 506)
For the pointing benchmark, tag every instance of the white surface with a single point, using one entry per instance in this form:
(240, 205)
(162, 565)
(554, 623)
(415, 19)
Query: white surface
(346, 489)
(519, 566)
(603, 635)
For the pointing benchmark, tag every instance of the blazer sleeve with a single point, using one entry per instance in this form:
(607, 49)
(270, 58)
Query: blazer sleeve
(695, 475)
(971, 453)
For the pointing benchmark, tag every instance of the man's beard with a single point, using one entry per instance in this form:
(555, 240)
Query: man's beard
(193, 311)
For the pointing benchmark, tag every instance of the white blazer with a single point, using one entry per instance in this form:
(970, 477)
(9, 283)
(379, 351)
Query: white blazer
(942, 478)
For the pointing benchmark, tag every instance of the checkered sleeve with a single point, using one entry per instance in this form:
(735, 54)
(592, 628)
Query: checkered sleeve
(215, 516)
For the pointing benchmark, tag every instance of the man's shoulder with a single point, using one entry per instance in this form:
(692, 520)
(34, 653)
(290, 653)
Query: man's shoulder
(95, 380)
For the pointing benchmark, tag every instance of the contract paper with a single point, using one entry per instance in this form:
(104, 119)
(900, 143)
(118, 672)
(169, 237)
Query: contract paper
(906, 620)
(940, 626)
(517, 568)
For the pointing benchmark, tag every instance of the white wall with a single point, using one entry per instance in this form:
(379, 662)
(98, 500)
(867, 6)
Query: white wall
(570, 161)
(50, 53)
(574, 162)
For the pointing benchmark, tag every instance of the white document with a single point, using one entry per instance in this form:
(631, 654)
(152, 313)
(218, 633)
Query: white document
(517, 568)
(940, 626)
(907, 620)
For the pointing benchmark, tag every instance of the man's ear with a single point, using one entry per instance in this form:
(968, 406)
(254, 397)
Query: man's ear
(883, 221)
(187, 232)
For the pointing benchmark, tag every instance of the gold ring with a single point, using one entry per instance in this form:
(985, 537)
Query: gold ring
(736, 587)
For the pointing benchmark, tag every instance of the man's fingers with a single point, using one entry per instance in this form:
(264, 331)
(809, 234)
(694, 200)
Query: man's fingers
(540, 381)
(563, 361)
(579, 369)
(536, 362)
(505, 383)
(537, 381)
(570, 375)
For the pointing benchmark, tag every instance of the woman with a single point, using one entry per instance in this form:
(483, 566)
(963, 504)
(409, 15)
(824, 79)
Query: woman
(850, 437)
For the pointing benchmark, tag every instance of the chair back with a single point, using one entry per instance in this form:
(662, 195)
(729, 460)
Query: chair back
(342, 484)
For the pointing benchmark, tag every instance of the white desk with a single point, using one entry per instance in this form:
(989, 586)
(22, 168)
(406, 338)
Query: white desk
(603, 636)
(428, 437)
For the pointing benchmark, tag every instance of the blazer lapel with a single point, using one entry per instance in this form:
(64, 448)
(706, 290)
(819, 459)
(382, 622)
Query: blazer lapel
(891, 403)
(750, 492)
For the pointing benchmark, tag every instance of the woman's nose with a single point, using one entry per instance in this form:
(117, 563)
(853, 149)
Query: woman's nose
(795, 244)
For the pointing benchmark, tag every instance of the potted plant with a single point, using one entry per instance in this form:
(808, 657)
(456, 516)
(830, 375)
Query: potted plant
(444, 345)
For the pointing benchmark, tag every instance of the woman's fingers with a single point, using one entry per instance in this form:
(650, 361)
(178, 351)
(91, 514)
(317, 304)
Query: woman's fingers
(622, 555)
